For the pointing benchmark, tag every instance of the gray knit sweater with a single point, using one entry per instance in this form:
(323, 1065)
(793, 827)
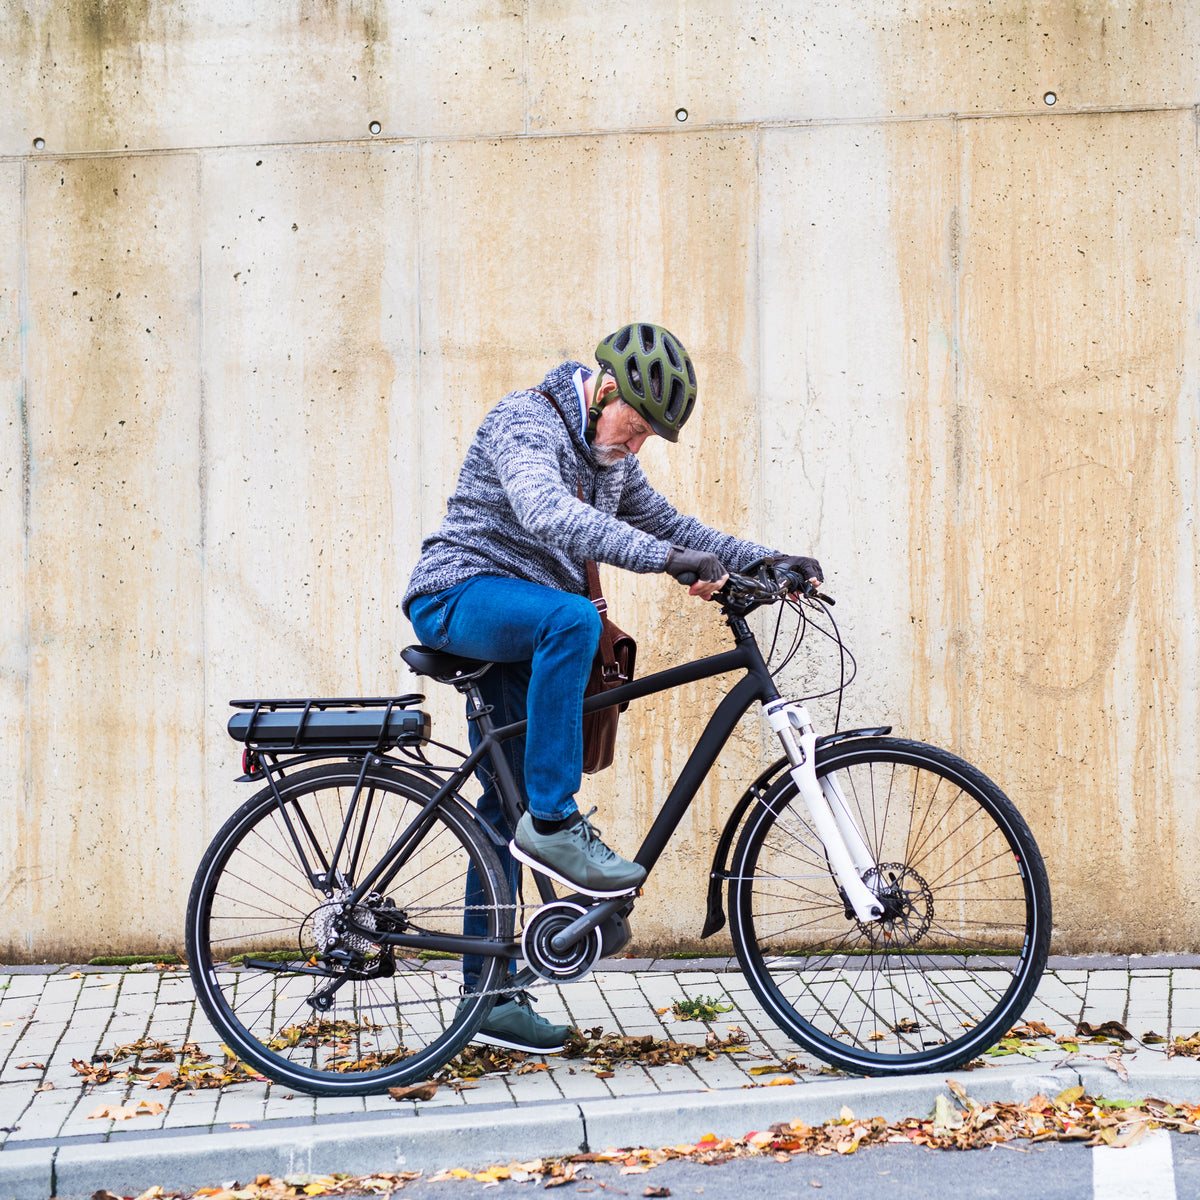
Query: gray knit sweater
(515, 511)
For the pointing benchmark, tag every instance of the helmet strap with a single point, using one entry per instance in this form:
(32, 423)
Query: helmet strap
(597, 406)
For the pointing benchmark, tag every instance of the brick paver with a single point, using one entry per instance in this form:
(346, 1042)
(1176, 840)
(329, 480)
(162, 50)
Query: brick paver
(51, 1016)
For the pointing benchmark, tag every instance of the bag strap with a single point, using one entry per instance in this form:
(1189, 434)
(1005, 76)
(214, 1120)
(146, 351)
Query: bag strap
(608, 656)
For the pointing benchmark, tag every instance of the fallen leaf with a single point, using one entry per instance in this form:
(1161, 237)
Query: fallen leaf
(1117, 1065)
(657, 1191)
(1107, 1029)
(417, 1091)
(31, 1066)
(1132, 1135)
(1031, 1029)
(946, 1118)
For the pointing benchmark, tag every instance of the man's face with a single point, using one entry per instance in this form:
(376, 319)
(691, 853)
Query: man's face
(621, 430)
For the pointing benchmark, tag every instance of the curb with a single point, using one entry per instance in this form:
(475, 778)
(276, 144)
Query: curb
(434, 1139)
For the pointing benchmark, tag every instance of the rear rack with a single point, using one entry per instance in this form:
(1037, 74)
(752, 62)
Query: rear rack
(336, 726)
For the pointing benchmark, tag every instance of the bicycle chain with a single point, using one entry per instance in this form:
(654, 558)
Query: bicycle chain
(526, 986)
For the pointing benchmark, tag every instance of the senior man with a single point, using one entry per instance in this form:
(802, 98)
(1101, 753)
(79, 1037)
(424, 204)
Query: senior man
(550, 481)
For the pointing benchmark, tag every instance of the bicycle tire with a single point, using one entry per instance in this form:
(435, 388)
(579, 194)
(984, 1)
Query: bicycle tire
(966, 945)
(255, 919)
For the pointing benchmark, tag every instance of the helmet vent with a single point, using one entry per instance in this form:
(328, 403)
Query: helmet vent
(672, 352)
(674, 402)
(646, 332)
(635, 376)
(656, 380)
(622, 338)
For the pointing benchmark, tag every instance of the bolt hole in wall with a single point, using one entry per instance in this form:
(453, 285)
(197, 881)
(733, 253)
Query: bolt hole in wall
(375, 127)
(39, 143)
(681, 114)
(1050, 98)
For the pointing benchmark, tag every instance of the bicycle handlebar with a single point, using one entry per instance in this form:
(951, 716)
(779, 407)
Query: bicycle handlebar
(760, 590)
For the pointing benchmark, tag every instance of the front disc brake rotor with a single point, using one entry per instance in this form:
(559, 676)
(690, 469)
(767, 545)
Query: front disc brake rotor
(907, 906)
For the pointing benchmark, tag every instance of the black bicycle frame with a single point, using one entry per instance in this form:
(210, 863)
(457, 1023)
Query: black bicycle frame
(755, 685)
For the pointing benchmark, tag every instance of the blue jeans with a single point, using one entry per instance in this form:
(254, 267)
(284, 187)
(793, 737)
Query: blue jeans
(542, 642)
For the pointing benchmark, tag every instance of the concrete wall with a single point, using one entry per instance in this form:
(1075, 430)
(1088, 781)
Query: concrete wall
(946, 335)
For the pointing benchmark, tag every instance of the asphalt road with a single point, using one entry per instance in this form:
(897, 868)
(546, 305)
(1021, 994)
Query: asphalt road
(1162, 1168)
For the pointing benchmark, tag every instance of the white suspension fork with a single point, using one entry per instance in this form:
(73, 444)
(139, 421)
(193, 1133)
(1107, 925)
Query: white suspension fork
(848, 853)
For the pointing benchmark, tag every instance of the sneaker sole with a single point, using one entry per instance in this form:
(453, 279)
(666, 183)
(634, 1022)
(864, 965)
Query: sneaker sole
(483, 1038)
(541, 867)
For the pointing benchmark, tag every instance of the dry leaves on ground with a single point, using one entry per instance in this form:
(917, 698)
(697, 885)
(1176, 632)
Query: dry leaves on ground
(118, 1112)
(957, 1122)
(196, 1068)
(1184, 1047)
(600, 1050)
(604, 1049)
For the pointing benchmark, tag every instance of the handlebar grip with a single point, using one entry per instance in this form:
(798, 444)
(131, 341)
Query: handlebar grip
(687, 578)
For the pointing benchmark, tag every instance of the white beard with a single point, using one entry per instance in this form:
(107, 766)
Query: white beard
(608, 456)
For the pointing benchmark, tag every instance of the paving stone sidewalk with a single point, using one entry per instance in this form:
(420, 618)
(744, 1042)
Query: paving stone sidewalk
(50, 1016)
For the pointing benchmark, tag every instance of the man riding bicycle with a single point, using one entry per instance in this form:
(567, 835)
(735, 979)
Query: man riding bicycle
(550, 481)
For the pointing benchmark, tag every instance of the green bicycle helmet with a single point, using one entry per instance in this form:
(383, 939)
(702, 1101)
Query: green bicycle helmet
(654, 375)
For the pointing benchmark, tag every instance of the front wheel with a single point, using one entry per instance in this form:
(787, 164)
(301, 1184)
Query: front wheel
(291, 990)
(966, 930)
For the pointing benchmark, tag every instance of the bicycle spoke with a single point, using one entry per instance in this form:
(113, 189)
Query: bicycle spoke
(359, 1017)
(950, 964)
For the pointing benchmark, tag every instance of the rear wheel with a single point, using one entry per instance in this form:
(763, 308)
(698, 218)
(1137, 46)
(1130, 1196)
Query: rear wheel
(308, 1002)
(966, 930)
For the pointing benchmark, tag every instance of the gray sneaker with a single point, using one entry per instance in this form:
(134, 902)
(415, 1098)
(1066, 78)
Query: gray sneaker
(576, 857)
(514, 1024)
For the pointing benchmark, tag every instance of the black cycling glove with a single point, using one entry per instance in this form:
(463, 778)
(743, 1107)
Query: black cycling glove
(796, 564)
(701, 567)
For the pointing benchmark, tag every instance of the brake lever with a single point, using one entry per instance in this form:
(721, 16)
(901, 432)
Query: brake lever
(810, 592)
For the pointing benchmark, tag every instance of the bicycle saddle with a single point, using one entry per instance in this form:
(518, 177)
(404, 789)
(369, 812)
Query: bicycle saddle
(446, 668)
